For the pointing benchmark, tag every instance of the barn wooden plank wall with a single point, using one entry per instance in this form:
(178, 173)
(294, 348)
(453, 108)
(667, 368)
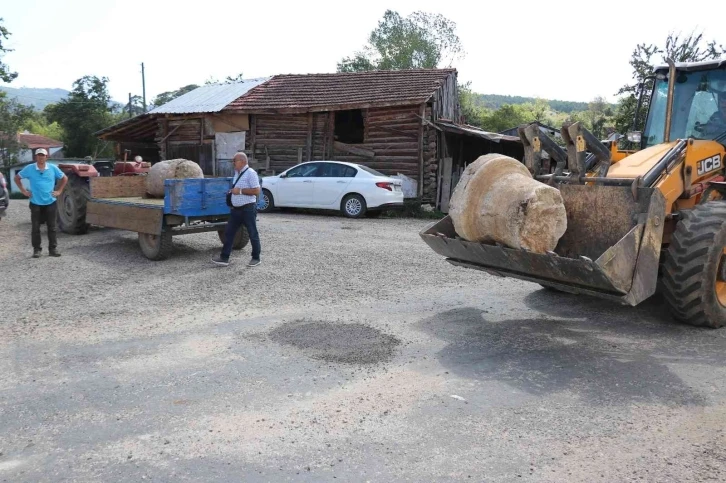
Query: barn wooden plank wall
(394, 142)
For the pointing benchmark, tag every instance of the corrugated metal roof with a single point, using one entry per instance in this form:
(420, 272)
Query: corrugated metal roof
(211, 98)
(475, 131)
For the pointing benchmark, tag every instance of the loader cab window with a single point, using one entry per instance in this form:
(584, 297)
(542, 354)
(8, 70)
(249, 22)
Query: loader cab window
(655, 124)
(695, 107)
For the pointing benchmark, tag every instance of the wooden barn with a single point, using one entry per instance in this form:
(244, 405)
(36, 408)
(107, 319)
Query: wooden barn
(191, 126)
(403, 122)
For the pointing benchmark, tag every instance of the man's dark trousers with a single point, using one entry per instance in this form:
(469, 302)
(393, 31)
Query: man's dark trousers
(40, 214)
(245, 215)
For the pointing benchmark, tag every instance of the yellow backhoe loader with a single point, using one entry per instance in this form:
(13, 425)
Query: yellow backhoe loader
(641, 220)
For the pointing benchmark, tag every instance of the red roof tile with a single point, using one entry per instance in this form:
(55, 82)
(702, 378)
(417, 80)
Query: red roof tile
(318, 92)
(34, 141)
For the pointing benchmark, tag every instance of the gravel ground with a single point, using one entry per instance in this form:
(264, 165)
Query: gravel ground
(353, 353)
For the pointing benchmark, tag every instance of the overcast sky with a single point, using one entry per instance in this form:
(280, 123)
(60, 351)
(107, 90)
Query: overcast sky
(555, 49)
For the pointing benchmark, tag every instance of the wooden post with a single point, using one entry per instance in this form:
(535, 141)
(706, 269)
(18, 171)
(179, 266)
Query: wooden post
(445, 184)
(331, 134)
(163, 144)
(253, 132)
(309, 143)
(420, 151)
(299, 155)
(325, 137)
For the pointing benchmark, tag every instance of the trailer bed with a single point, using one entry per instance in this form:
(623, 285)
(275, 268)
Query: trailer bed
(133, 200)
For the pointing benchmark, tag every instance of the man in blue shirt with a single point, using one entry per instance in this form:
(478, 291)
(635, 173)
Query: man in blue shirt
(42, 178)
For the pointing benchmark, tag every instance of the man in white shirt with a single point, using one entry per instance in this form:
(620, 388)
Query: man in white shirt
(245, 187)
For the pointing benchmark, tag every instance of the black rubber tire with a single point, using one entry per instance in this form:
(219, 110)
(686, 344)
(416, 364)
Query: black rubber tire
(241, 238)
(692, 263)
(72, 206)
(270, 202)
(344, 208)
(156, 247)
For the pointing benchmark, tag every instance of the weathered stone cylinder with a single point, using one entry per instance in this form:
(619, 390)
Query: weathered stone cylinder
(497, 200)
(170, 169)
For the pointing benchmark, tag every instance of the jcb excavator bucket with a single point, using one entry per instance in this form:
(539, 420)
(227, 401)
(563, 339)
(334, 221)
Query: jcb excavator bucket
(610, 250)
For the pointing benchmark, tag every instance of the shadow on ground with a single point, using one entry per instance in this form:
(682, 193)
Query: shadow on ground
(599, 352)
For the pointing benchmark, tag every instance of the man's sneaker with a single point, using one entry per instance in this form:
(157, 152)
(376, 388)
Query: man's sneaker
(36, 253)
(54, 253)
(253, 262)
(220, 261)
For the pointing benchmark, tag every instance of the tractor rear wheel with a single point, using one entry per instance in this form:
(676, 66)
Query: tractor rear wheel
(241, 238)
(72, 206)
(156, 247)
(694, 270)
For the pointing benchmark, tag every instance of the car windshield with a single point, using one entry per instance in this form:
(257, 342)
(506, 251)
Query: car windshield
(369, 170)
(697, 112)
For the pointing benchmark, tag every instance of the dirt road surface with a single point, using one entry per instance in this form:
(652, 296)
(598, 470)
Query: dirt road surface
(353, 353)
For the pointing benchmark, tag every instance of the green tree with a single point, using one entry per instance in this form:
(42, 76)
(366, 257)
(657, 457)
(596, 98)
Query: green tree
(13, 115)
(87, 109)
(538, 111)
(421, 40)
(6, 75)
(471, 112)
(597, 116)
(38, 125)
(506, 117)
(692, 48)
(169, 96)
(134, 107)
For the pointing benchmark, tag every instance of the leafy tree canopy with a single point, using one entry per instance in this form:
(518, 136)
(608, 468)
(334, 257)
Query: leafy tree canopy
(421, 40)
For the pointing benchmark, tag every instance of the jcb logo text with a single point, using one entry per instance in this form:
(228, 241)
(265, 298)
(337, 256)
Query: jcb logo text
(709, 164)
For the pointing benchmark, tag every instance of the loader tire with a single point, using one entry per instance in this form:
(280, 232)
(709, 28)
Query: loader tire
(694, 270)
(72, 206)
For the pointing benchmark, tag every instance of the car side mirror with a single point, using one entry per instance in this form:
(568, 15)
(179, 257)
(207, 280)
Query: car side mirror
(283, 175)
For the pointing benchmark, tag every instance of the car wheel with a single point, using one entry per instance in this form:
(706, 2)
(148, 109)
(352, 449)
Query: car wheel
(353, 206)
(268, 202)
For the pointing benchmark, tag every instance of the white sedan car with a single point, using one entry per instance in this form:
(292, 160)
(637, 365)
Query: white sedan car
(332, 185)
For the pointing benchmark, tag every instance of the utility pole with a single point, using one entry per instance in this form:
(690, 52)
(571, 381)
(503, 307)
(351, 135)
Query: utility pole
(143, 84)
(130, 114)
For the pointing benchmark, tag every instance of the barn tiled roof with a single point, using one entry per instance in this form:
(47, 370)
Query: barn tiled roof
(318, 92)
(34, 141)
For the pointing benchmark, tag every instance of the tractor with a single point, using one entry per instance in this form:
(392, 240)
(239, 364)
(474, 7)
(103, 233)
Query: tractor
(639, 220)
(72, 202)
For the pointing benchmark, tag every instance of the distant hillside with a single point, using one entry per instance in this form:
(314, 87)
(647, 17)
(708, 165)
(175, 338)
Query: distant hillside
(36, 97)
(495, 101)
(41, 97)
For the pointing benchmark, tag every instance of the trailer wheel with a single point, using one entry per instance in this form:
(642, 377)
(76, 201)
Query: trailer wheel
(694, 270)
(156, 247)
(72, 206)
(241, 238)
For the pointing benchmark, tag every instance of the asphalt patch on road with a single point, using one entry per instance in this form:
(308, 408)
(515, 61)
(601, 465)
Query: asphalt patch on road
(545, 356)
(336, 342)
